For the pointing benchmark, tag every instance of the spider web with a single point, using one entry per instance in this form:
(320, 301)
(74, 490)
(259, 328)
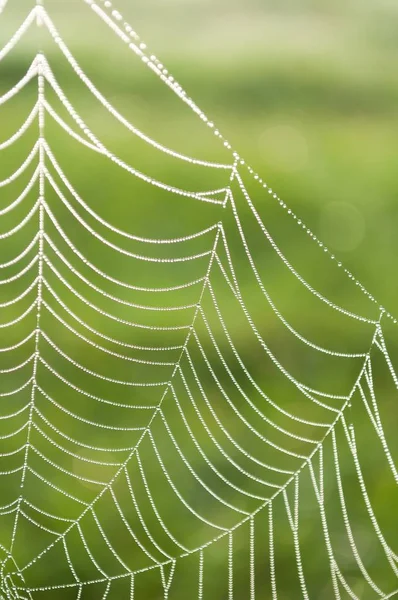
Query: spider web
(158, 457)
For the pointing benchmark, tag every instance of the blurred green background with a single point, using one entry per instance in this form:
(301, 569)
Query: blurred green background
(307, 93)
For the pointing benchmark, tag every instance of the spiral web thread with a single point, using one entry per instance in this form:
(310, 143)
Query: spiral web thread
(236, 492)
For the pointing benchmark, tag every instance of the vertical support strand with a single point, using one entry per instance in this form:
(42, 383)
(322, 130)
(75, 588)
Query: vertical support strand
(293, 518)
(41, 173)
(230, 566)
(69, 560)
(41, 114)
(296, 539)
(201, 573)
(132, 583)
(165, 593)
(166, 581)
(272, 552)
(106, 593)
(346, 519)
(252, 561)
(319, 493)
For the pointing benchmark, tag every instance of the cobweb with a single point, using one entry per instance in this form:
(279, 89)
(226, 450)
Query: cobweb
(144, 452)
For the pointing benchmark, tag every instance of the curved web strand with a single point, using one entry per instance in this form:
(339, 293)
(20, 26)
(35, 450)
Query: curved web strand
(131, 392)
